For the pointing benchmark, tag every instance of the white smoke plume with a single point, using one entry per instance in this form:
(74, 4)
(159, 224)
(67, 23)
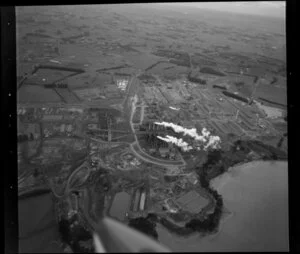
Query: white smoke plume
(209, 140)
(213, 142)
(179, 142)
(174, 108)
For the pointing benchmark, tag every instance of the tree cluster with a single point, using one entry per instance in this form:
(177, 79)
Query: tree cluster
(25, 137)
(73, 236)
(211, 223)
(144, 225)
(153, 141)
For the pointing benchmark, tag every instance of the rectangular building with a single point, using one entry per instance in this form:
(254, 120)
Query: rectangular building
(142, 201)
(136, 200)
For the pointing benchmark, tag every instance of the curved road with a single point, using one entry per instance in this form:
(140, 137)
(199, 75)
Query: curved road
(139, 152)
(67, 188)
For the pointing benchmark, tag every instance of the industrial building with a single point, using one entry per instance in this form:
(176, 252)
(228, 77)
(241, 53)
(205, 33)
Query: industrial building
(139, 200)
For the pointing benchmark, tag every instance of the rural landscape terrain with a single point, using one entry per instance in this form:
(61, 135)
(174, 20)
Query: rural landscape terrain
(129, 111)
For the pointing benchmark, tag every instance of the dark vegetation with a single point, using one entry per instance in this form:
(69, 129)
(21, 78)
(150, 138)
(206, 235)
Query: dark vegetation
(176, 57)
(174, 228)
(274, 80)
(153, 141)
(62, 68)
(72, 236)
(113, 68)
(193, 76)
(199, 60)
(56, 85)
(153, 65)
(170, 178)
(235, 96)
(128, 48)
(211, 223)
(272, 102)
(24, 137)
(255, 79)
(181, 62)
(239, 84)
(36, 35)
(34, 193)
(144, 225)
(279, 144)
(212, 71)
(101, 179)
(220, 87)
(73, 37)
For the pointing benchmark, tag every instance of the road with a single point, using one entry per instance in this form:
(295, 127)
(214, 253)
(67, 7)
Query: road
(130, 91)
(137, 150)
(66, 191)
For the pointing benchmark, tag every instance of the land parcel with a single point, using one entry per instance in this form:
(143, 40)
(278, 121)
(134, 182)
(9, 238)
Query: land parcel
(192, 202)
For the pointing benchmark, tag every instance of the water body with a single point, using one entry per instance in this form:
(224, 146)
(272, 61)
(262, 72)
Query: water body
(38, 230)
(120, 205)
(256, 194)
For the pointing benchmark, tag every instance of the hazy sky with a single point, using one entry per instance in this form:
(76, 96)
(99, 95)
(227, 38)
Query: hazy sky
(272, 8)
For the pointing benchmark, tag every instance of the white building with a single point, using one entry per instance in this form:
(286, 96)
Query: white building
(142, 201)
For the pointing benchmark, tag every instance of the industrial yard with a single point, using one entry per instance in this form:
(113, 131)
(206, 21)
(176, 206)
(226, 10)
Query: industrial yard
(120, 118)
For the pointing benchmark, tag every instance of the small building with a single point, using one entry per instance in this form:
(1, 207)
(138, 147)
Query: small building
(92, 126)
(164, 151)
(171, 206)
(152, 150)
(192, 178)
(62, 128)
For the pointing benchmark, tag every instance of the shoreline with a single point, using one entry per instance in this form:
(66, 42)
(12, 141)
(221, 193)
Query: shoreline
(230, 171)
(226, 213)
(231, 214)
(225, 218)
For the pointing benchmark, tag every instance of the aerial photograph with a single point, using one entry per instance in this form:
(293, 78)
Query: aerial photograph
(154, 124)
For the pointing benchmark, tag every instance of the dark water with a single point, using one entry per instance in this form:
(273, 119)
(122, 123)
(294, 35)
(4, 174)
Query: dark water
(38, 230)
